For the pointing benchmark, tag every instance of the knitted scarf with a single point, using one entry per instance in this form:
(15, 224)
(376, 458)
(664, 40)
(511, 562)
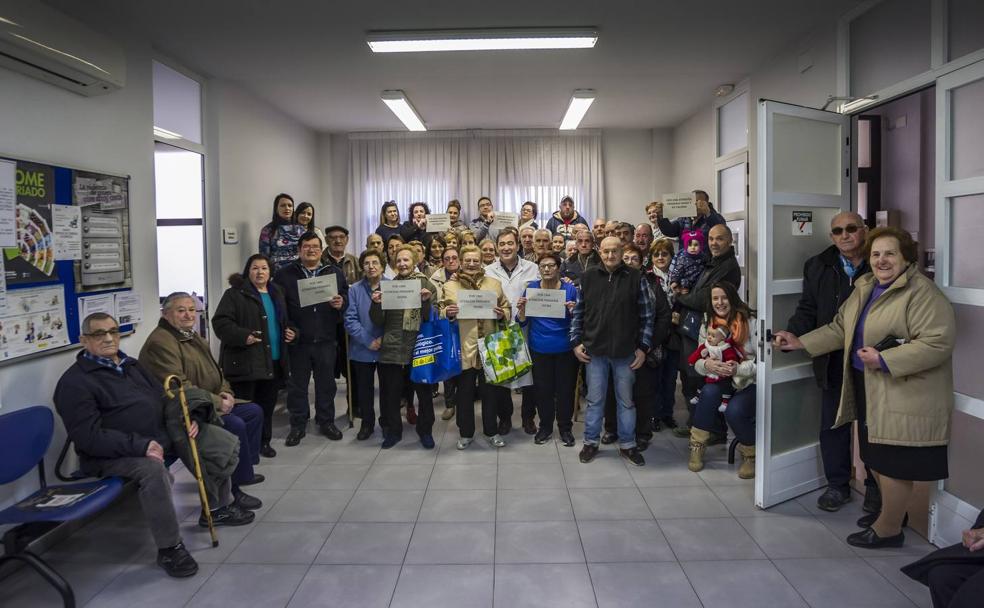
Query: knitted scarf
(471, 281)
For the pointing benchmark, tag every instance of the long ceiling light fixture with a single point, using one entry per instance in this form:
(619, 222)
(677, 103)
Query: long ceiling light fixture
(399, 104)
(581, 100)
(420, 41)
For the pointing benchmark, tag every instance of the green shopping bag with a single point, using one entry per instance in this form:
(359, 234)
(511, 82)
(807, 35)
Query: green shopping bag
(504, 354)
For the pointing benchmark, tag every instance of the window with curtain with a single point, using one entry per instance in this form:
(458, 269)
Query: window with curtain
(510, 167)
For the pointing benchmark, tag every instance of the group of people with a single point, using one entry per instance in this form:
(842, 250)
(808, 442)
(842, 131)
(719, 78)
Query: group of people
(644, 305)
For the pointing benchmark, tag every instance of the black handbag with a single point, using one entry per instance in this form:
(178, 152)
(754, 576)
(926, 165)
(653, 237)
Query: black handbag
(656, 356)
(690, 326)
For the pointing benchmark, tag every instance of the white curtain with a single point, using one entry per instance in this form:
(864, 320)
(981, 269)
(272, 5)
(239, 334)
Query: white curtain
(510, 167)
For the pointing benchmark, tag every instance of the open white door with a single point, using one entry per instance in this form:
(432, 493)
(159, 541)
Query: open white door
(803, 181)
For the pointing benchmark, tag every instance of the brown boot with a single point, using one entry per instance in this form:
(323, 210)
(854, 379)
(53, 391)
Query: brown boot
(698, 444)
(747, 468)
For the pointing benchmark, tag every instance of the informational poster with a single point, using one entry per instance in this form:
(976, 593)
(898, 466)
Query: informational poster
(129, 307)
(34, 321)
(802, 223)
(504, 219)
(8, 203)
(32, 259)
(547, 303)
(680, 204)
(438, 222)
(105, 302)
(67, 224)
(106, 191)
(400, 295)
(317, 290)
(476, 304)
(3, 289)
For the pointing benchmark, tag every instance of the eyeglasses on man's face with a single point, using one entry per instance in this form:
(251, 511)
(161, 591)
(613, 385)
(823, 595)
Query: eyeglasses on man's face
(850, 229)
(102, 333)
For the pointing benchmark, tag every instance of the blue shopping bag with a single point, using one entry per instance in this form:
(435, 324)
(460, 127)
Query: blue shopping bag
(437, 353)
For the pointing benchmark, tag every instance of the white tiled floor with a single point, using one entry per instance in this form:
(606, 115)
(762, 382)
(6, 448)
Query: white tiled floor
(347, 524)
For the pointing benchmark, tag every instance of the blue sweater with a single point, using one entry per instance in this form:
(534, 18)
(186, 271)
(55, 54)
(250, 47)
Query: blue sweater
(550, 336)
(359, 326)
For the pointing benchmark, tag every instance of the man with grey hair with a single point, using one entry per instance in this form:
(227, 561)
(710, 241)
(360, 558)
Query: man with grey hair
(542, 241)
(828, 280)
(643, 238)
(526, 243)
(114, 414)
(174, 347)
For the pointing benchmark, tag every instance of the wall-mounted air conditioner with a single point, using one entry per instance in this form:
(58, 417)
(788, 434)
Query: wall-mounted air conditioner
(42, 42)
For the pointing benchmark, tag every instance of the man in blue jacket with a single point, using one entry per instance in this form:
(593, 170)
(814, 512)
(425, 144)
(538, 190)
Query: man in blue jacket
(113, 411)
(315, 348)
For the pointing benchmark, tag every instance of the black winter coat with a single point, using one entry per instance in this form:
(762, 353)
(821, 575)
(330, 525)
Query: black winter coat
(239, 313)
(411, 232)
(722, 268)
(663, 314)
(108, 415)
(825, 287)
(318, 322)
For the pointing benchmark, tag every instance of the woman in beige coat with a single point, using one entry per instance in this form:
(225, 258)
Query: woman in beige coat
(472, 276)
(898, 380)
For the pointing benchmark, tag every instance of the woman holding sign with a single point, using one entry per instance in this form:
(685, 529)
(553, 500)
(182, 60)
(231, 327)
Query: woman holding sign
(367, 339)
(545, 308)
(473, 327)
(400, 316)
(415, 228)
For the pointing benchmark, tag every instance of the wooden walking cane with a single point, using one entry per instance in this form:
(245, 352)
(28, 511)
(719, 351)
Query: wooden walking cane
(348, 380)
(194, 451)
(577, 393)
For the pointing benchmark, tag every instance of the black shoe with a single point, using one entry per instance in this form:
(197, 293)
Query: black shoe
(435, 393)
(567, 438)
(609, 438)
(588, 452)
(868, 539)
(872, 499)
(529, 427)
(229, 515)
(294, 437)
(257, 478)
(247, 502)
(504, 427)
(542, 437)
(267, 451)
(656, 425)
(717, 439)
(834, 498)
(177, 562)
(331, 431)
(668, 422)
(633, 455)
(364, 433)
(866, 521)
(642, 444)
(389, 441)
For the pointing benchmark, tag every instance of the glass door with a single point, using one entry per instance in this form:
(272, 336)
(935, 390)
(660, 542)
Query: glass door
(803, 178)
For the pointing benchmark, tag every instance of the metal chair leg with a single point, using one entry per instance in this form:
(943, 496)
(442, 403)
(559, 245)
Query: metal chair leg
(48, 573)
(731, 450)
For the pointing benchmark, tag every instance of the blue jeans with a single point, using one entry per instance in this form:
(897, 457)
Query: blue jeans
(740, 414)
(596, 373)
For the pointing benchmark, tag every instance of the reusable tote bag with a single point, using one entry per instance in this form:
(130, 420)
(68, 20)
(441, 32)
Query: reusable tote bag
(437, 353)
(504, 355)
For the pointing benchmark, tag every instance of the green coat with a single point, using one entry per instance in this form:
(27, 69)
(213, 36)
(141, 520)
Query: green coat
(167, 352)
(911, 404)
(398, 343)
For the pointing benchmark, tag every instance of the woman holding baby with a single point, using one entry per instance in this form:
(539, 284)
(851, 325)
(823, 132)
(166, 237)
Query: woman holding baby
(727, 320)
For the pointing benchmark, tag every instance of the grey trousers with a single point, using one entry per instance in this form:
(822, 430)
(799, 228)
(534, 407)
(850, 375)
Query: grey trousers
(154, 491)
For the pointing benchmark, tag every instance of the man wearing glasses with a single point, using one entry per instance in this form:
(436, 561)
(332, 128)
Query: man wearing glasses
(315, 349)
(828, 279)
(114, 413)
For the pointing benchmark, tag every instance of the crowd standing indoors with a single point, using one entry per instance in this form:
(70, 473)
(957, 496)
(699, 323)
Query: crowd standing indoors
(631, 312)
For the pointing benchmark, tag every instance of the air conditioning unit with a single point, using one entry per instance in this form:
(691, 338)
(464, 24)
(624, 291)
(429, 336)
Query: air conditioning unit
(49, 45)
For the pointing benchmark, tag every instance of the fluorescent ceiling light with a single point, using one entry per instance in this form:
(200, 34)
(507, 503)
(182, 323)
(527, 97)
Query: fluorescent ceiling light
(481, 40)
(581, 100)
(165, 134)
(399, 104)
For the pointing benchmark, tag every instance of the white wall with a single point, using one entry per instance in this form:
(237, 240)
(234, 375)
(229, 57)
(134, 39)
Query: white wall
(637, 169)
(257, 152)
(693, 152)
(111, 133)
(333, 169)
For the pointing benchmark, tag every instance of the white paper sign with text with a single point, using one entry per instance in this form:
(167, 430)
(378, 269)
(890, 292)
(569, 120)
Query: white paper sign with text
(680, 204)
(317, 290)
(400, 295)
(476, 304)
(548, 303)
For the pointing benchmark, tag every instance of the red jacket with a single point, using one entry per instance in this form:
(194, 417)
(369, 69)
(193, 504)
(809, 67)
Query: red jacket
(728, 353)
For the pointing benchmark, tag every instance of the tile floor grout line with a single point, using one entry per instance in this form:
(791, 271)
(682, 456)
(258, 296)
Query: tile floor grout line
(580, 538)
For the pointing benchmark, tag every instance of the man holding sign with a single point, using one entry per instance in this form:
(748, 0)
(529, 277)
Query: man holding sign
(316, 295)
(682, 214)
(546, 309)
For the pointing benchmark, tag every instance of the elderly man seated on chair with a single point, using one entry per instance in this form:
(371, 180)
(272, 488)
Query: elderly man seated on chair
(175, 348)
(113, 410)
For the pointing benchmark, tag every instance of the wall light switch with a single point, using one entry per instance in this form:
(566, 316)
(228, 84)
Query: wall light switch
(230, 236)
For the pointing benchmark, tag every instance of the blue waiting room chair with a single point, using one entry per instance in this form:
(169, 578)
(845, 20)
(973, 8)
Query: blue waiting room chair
(24, 439)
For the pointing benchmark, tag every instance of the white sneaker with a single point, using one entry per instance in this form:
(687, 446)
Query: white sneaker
(464, 442)
(497, 441)
(695, 400)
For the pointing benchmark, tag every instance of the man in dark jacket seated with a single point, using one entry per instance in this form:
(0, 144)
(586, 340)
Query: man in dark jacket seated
(113, 412)
(954, 574)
